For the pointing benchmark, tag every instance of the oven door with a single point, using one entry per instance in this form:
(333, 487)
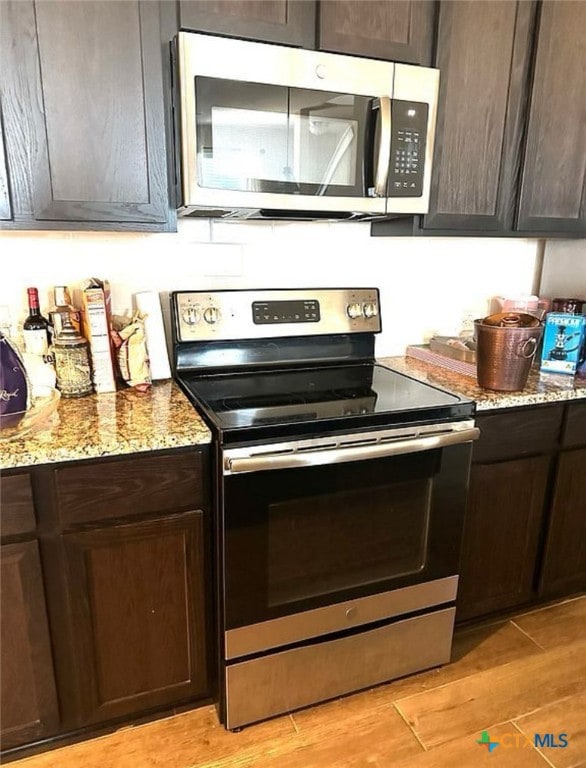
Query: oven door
(298, 540)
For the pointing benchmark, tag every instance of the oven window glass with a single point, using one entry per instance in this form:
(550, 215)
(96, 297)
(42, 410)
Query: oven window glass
(255, 137)
(318, 545)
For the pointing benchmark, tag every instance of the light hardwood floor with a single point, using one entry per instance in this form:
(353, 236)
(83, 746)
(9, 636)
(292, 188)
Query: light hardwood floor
(513, 679)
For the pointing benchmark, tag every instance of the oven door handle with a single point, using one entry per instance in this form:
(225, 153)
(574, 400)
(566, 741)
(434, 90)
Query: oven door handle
(380, 450)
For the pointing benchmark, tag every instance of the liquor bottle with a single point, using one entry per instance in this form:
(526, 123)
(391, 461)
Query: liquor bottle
(62, 309)
(35, 329)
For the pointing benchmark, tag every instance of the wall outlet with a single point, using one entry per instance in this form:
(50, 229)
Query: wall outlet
(467, 324)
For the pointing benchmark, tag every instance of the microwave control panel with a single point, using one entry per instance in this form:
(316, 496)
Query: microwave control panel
(408, 132)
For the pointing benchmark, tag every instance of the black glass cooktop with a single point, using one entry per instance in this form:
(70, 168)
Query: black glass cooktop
(319, 398)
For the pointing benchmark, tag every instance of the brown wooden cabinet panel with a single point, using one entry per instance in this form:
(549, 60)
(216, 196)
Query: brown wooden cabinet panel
(138, 607)
(84, 112)
(553, 191)
(137, 485)
(18, 512)
(575, 427)
(501, 535)
(483, 53)
(401, 30)
(564, 568)
(277, 21)
(517, 433)
(5, 205)
(28, 700)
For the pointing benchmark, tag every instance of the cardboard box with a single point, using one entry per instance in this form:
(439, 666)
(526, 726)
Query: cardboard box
(95, 321)
(562, 342)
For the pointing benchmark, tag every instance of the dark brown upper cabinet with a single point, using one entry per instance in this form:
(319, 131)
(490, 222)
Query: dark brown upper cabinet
(5, 206)
(291, 22)
(84, 114)
(401, 30)
(483, 53)
(553, 190)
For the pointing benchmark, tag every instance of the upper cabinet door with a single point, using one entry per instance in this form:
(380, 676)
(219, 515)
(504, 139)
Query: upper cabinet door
(277, 21)
(401, 30)
(5, 207)
(84, 111)
(553, 195)
(483, 54)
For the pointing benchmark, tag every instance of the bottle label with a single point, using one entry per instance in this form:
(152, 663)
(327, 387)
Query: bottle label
(35, 342)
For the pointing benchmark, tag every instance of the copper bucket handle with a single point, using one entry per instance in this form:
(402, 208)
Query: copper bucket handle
(522, 348)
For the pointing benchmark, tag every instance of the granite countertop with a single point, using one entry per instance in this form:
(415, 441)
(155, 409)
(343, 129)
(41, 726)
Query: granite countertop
(540, 387)
(126, 422)
(109, 425)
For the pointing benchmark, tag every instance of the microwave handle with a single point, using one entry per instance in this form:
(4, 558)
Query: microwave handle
(384, 148)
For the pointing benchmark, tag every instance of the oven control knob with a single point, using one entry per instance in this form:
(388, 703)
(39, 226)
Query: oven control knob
(211, 315)
(190, 316)
(354, 310)
(370, 309)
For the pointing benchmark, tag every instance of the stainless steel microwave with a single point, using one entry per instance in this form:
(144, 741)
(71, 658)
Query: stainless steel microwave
(267, 131)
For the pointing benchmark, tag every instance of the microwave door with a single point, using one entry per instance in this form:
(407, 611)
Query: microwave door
(263, 146)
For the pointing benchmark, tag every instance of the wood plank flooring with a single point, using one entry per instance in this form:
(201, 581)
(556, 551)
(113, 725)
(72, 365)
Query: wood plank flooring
(512, 679)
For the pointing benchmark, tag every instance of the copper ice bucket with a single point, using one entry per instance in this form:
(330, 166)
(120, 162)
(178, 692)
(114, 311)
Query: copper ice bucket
(506, 345)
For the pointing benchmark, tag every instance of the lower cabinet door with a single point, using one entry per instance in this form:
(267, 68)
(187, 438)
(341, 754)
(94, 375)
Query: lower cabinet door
(501, 535)
(27, 684)
(564, 567)
(138, 607)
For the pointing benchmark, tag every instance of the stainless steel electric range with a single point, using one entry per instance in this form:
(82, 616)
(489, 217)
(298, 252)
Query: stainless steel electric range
(339, 499)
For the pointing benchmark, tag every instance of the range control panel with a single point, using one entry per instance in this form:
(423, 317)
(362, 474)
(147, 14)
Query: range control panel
(223, 315)
(266, 312)
(408, 132)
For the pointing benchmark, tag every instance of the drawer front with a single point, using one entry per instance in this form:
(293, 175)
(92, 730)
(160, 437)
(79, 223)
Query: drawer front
(575, 427)
(18, 511)
(526, 431)
(135, 486)
(291, 679)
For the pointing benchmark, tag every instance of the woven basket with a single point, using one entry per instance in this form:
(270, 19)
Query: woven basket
(504, 355)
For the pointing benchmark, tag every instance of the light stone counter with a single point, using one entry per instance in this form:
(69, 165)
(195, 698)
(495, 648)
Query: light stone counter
(540, 387)
(109, 425)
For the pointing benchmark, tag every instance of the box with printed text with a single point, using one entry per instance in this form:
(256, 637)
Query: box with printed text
(95, 315)
(562, 342)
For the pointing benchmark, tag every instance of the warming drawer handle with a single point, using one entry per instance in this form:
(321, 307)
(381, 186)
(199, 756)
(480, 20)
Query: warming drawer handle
(339, 455)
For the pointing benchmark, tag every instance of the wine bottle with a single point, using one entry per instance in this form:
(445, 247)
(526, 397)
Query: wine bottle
(35, 329)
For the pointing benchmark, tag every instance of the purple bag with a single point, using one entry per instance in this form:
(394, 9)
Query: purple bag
(13, 385)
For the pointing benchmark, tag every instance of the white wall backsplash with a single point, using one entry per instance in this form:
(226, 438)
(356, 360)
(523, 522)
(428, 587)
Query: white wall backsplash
(428, 285)
(564, 269)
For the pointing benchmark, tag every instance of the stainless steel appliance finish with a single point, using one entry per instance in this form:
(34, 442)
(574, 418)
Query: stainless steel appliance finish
(245, 641)
(288, 680)
(340, 495)
(355, 142)
(225, 315)
(344, 448)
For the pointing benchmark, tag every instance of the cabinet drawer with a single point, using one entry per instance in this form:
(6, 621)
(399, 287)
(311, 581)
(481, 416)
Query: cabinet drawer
(522, 432)
(575, 427)
(18, 512)
(133, 486)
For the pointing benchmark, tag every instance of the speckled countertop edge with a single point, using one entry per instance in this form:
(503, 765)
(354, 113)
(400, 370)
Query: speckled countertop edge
(110, 424)
(540, 387)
